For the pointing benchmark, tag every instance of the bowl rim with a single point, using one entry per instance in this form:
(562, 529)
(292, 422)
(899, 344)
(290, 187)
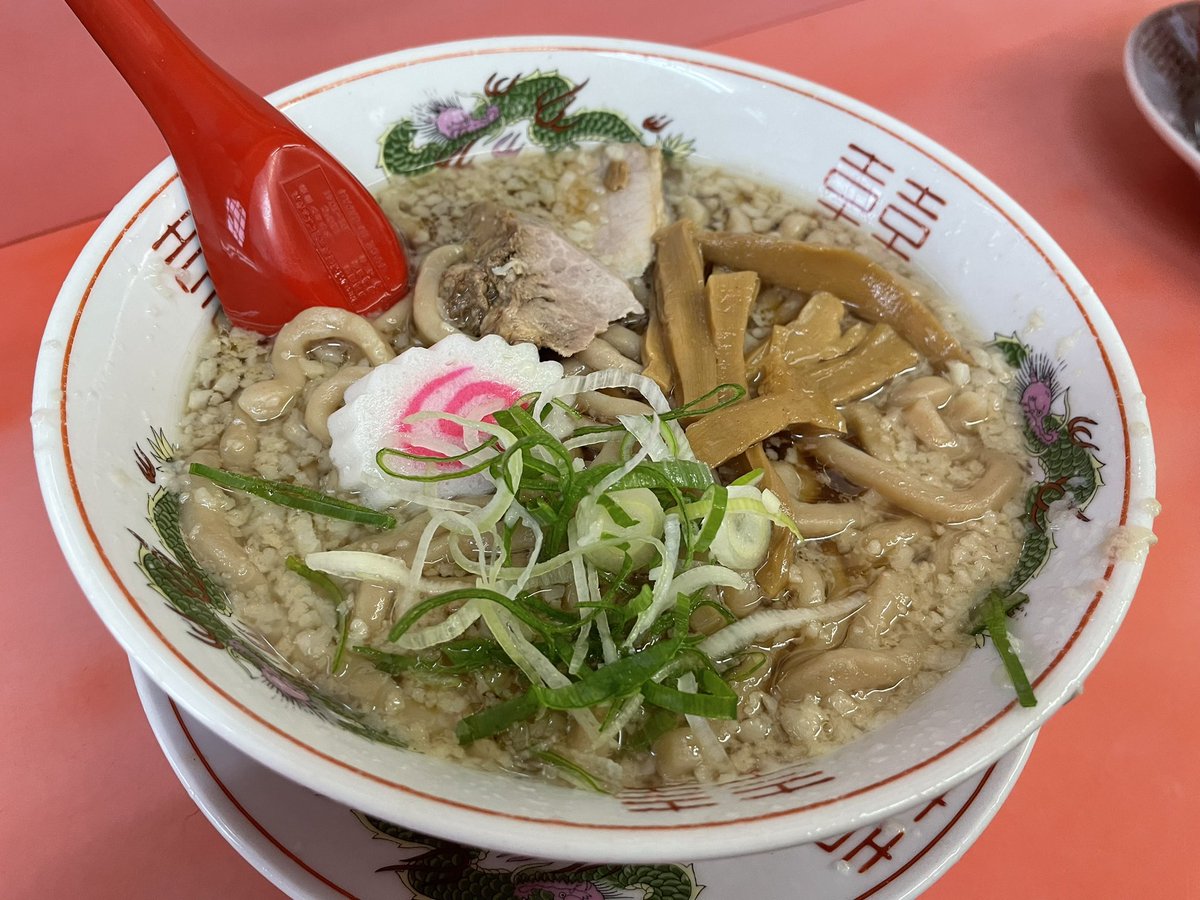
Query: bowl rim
(1187, 150)
(284, 753)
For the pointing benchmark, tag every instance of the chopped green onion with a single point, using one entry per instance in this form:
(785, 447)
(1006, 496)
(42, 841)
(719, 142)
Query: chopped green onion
(733, 393)
(327, 586)
(619, 637)
(572, 772)
(474, 653)
(751, 479)
(996, 621)
(465, 472)
(496, 719)
(389, 663)
(747, 665)
(1010, 602)
(548, 611)
(637, 599)
(506, 536)
(657, 723)
(616, 511)
(519, 608)
(717, 497)
(709, 706)
(294, 496)
(615, 587)
(678, 473)
(490, 443)
(718, 607)
(563, 406)
(620, 525)
(464, 655)
(617, 679)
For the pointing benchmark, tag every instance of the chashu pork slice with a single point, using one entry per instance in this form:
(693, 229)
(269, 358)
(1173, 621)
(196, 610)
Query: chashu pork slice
(630, 207)
(524, 281)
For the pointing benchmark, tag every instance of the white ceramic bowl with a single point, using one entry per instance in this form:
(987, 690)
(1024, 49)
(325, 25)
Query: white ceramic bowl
(114, 365)
(1162, 69)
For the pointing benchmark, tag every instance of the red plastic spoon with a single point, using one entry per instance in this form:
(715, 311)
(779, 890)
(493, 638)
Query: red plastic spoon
(283, 225)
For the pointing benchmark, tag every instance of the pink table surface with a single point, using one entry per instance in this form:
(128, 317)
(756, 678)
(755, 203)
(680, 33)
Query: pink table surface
(97, 121)
(1029, 92)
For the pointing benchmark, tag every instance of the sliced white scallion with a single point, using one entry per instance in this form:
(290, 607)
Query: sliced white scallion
(598, 439)
(700, 577)
(592, 580)
(647, 431)
(744, 537)
(616, 475)
(661, 595)
(528, 658)
(578, 562)
(607, 646)
(434, 502)
(465, 525)
(597, 768)
(616, 722)
(526, 575)
(490, 515)
(595, 524)
(447, 630)
(490, 428)
(591, 527)
(664, 439)
(466, 563)
(412, 584)
(706, 739)
(731, 638)
(555, 570)
(363, 566)
(605, 379)
(579, 653)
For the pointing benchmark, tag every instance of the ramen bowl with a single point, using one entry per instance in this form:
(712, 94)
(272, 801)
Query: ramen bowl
(1162, 70)
(115, 364)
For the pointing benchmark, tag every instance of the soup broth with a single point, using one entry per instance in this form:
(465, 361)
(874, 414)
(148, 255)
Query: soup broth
(907, 501)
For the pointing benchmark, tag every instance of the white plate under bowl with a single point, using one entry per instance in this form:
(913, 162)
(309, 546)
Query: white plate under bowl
(113, 368)
(313, 847)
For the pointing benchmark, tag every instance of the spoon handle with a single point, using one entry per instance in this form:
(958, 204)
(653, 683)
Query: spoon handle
(283, 225)
(188, 95)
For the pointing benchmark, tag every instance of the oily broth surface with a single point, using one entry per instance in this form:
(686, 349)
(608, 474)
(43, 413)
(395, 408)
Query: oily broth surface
(939, 571)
